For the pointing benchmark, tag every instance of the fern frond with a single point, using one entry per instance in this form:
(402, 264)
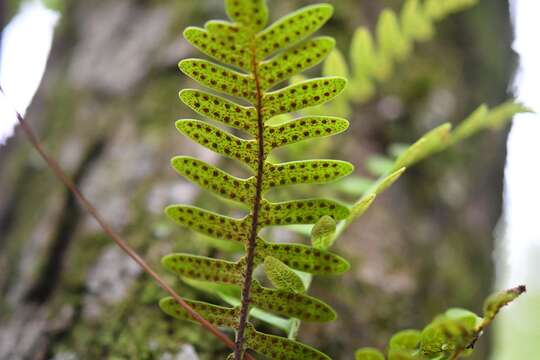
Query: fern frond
(449, 336)
(373, 56)
(435, 141)
(256, 60)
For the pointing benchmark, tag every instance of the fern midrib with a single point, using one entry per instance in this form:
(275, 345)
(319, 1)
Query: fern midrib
(250, 254)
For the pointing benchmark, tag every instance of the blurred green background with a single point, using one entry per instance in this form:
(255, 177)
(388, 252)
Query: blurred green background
(106, 110)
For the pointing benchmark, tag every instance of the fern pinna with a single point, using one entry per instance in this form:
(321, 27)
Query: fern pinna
(262, 59)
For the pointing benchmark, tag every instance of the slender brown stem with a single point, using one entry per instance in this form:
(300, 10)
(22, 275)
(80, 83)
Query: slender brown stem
(252, 240)
(61, 175)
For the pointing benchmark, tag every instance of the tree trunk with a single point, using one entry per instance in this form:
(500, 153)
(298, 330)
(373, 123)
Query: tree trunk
(106, 110)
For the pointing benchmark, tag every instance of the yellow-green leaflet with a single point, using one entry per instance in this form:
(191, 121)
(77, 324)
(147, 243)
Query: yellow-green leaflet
(282, 276)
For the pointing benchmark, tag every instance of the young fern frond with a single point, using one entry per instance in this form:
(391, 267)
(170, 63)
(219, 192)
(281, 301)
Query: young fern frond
(449, 336)
(257, 59)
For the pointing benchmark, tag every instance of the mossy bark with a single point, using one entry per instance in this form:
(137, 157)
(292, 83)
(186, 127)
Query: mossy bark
(106, 110)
